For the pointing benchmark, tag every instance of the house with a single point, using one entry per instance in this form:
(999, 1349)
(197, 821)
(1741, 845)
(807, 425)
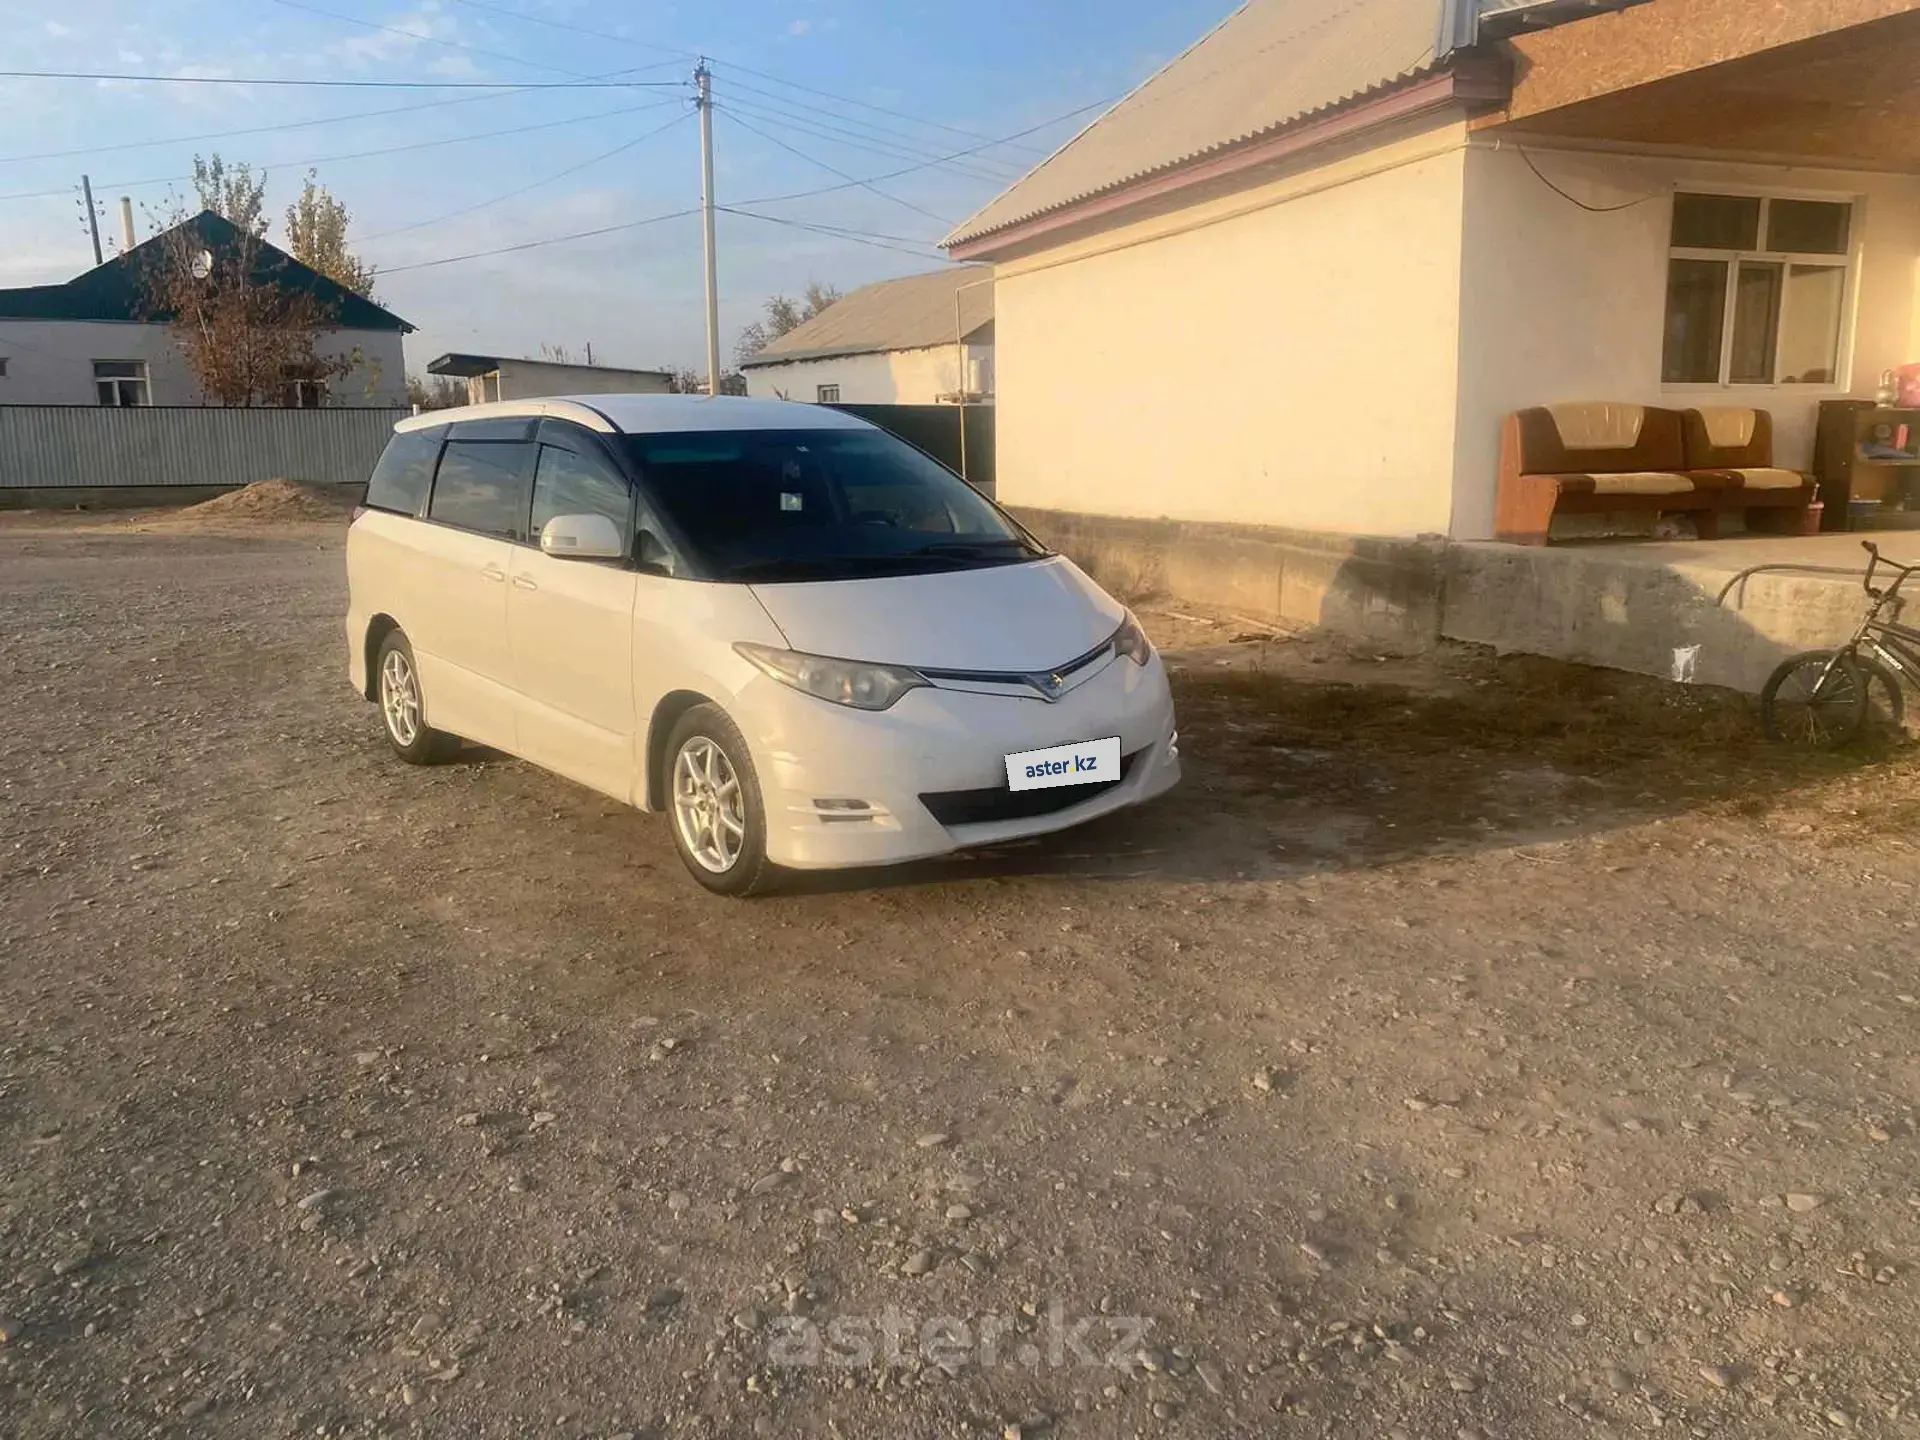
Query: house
(898, 342)
(1296, 280)
(98, 339)
(500, 377)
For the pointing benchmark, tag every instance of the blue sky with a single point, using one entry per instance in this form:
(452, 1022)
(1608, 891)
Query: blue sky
(988, 69)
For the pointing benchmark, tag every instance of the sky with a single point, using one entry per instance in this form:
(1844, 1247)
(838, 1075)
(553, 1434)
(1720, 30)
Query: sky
(808, 94)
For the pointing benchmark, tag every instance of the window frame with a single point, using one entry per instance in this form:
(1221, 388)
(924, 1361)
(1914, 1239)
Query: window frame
(821, 397)
(141, 378)
(531, 448)
(1848, 262)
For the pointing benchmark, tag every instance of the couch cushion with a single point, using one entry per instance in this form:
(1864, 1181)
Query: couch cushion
(1642, 482)
(1728, 438)
(1599, 424)
(1757, 477)
(1597, 438)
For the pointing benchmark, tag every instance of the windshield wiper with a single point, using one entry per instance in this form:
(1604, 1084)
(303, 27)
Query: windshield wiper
(828, 566)
(972, 549)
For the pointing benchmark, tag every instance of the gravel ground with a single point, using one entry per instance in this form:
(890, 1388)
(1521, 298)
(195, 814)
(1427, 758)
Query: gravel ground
(1466, 1049)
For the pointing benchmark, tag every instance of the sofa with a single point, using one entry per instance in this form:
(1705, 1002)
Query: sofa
(1606, 457)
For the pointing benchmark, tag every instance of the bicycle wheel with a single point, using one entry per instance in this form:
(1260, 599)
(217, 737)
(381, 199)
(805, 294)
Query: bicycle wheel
(1886, 701)
(1817, 699)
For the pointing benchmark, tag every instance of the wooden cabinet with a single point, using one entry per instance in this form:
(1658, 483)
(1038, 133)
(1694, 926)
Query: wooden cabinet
(1865, 452)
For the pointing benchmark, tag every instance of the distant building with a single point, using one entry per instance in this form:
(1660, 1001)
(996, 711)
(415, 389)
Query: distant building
(500, 377)
(898, 342)
(96, 340)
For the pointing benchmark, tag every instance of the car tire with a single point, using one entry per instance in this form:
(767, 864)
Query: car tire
(403, 706)
(713, 804)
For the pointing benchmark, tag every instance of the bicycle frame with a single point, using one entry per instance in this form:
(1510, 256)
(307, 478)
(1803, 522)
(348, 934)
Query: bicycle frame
(1894, 645)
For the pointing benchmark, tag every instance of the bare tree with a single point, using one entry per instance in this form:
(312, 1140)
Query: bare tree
(317, 237)
(783, 314)
(436, 392)
(233, 192)
(250, 338)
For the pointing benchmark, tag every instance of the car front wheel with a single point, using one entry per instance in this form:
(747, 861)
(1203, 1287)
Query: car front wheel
(719, 823)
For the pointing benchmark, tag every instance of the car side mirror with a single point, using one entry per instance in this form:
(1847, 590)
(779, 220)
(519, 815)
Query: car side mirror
(651, 555)
(581, 537)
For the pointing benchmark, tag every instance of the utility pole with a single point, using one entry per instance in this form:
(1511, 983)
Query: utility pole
(703, 81)
(93, 218)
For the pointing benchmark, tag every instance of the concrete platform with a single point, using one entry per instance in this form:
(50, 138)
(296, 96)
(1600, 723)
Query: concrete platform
(1650, 606)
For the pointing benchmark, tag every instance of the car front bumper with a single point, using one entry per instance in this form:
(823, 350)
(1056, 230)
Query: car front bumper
(843, 787)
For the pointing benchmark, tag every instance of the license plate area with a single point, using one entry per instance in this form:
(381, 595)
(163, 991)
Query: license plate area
(1084, 762)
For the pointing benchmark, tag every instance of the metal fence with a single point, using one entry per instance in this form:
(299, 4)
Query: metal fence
(62, 446)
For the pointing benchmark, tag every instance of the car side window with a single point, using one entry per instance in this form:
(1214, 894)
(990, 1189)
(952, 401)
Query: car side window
(567, 483)
(482, 486)
(400, 480)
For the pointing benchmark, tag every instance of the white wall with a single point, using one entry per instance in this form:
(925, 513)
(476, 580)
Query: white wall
(531, 379)
(50, 362)
(1284, 356)
(899, 377)
(1558, 303)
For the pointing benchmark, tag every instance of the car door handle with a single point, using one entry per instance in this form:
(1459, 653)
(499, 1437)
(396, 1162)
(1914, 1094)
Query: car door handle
(524, 582)
(493, 572)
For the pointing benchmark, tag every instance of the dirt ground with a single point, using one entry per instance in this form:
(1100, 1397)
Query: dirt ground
(1466, 1049)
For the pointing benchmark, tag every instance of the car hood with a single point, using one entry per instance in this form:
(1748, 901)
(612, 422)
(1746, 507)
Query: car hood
(1023, 617)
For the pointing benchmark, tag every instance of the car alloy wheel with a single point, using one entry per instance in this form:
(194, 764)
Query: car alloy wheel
(708, 805)
(400, 697)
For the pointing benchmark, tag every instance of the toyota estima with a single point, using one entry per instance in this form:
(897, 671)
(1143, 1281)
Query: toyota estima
(808, 642)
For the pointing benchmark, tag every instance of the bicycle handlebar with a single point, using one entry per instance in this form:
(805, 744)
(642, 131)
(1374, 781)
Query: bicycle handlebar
(1874, 561)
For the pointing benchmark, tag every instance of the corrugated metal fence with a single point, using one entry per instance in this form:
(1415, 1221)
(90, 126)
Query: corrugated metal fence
(58, 446)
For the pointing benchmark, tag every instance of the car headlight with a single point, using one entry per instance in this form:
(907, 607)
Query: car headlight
(1131, 641)
(852, 683)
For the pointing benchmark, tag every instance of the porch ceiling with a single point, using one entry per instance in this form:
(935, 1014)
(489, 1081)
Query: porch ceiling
(1848, 96)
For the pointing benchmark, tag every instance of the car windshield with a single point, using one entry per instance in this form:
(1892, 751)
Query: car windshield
(774, 505)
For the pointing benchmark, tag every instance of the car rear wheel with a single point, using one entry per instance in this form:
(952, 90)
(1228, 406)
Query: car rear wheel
(403, 711)
(719, 823)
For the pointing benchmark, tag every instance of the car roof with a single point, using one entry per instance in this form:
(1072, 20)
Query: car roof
(651, 414)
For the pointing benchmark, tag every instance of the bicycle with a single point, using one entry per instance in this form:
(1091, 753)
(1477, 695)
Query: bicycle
(1824, 697)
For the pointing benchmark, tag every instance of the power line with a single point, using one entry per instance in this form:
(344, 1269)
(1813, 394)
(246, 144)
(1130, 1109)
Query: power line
(274, 129)
(538, 244)
(370, 154)
(863, 237)
(927, 164)
(577, 29)
(418, 38)
(855, 120)
(831, 170)
(535, 185)
(871, 148)
(345, 84)
(902, 147)
(729, 65)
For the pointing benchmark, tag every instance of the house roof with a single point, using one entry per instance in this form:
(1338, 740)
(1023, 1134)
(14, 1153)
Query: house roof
(117, 290)
(914, 313)
(1270, 65)
(466, 366)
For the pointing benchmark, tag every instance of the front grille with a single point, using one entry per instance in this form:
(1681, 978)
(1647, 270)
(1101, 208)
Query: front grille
(997, 802)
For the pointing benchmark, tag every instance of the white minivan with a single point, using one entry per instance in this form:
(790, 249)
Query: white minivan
(809, 642)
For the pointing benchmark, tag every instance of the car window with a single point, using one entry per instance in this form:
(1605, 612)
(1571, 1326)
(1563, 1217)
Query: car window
(400, 480)
(566, 483)
(771, 505)
(482, 486)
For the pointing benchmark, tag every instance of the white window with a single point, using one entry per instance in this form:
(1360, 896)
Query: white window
(3, 367)
(121, 382)
(1756, 290)
(306, 394)
(826, 394)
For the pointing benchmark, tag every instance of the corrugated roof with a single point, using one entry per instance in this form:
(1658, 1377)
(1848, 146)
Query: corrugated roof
(914, 313)
(118, 289)
(1270, 63)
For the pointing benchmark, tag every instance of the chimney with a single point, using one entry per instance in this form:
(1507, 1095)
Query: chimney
(126, 222)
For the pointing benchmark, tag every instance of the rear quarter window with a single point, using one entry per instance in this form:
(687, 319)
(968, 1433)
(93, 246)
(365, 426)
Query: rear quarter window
(399, 482)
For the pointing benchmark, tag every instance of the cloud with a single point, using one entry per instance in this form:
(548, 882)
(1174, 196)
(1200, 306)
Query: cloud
(57, 30)
(799, 27)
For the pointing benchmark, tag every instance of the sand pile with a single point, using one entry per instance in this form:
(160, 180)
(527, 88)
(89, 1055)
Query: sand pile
(265, 502)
